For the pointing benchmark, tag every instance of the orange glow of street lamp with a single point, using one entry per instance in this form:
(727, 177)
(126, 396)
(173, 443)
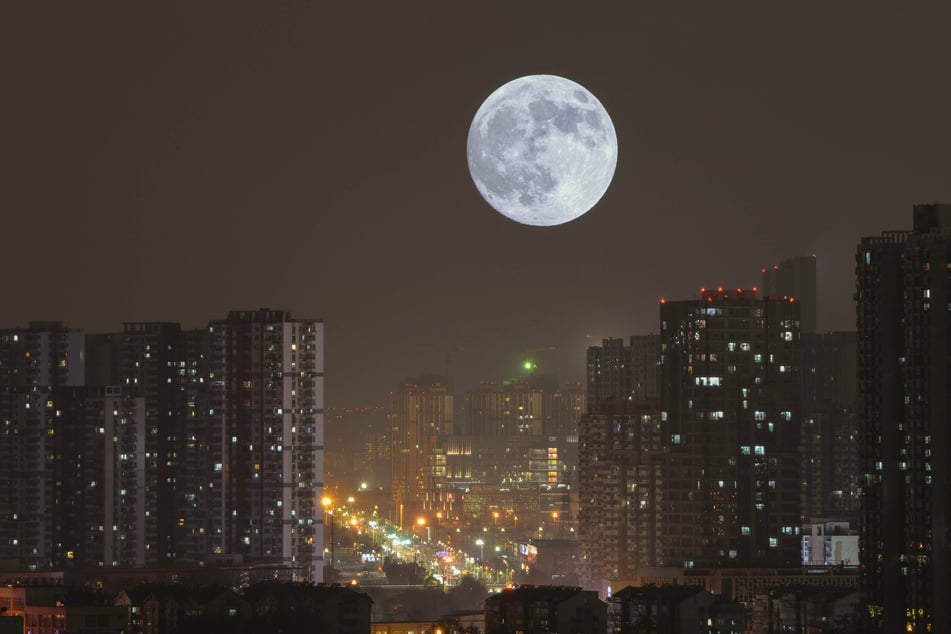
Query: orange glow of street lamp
(421, 521)
(326, 501)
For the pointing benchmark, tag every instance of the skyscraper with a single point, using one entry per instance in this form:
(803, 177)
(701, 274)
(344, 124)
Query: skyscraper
(794, 277)
(904, 333)
(267, 413)
(39, 366)
(152, 367)
(112, 487)
(183, 447)
(645, 367)
(731, 422)
(419, 415)
(609, 372)
(831, 440)
(619, 480)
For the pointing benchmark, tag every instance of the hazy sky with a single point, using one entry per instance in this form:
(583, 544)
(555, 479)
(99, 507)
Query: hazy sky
(173, 161)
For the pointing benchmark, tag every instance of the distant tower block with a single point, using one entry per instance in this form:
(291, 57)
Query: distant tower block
(794, 277)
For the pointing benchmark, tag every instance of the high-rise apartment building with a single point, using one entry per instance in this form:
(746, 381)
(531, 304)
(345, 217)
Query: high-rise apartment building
(151, 366)
(180, 447)
(830, 435)
(731, 384)
(266, 413)
(111, 479)
(522, 433)
(624, 371)
(419, 415)
(619, 479)
(143, 372)
(39, 367)
(482, 410)
(645, 367)
(609, 368)
(903, 296)
(562, 408)
(512, 408)
(794, 277)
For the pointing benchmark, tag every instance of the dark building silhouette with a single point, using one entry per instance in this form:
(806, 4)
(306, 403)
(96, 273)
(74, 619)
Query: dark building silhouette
(795, 277)
(177, 448)
(731, 488)
(830, 435)
(670, 609)
(561, 409)
(545, 609)
(623, 371)
(645, 367)
(609, 369)
(711, 474)
(808, 609)
(904, 333)
(419, 414)
(620, 451)
(151, 355)
(40, 368)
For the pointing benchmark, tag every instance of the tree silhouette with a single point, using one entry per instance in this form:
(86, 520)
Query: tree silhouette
(470, 594)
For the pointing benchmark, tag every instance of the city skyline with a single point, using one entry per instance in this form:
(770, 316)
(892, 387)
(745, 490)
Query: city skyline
(178, 162)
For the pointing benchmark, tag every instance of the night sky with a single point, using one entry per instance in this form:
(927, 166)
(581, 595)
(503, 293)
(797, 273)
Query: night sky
(174, 161)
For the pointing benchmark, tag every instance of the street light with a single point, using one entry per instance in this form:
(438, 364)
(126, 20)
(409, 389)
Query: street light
(328, 512)
(481, 545)
(421, 521)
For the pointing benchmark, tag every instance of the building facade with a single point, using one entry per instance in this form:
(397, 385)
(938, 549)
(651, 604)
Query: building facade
(609, 371)
(267, 412)
(830, 433)
(419, 415)
(903, 294)
(543, 609)
(731, 382)
(178, 448)
(39, 368)
(620, 456)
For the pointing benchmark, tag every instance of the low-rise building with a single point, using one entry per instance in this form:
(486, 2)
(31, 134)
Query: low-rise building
(829, 543)
(545, 609)
(670, 609)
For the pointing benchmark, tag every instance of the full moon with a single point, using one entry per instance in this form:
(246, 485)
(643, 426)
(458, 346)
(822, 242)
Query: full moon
(542, 150)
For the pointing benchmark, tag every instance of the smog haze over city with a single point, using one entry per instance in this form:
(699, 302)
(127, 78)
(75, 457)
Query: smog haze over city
(176, 161)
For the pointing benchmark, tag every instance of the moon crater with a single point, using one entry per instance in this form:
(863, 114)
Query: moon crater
(542, 150)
